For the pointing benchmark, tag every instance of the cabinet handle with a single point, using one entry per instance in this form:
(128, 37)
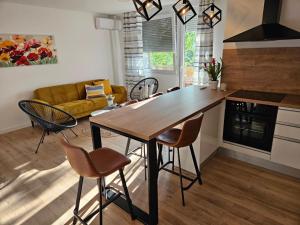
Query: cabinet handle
(287, 139)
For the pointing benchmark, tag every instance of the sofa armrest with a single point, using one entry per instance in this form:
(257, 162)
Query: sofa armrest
(120, 90)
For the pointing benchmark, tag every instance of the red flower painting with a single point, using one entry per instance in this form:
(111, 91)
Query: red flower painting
(25, 50)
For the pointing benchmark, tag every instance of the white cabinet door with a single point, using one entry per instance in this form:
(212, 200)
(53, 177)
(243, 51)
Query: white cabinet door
(289, 116)
(206, 143)
(286, 152)
(287, 131)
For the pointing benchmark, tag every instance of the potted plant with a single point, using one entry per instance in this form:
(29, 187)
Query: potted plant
(213, 70)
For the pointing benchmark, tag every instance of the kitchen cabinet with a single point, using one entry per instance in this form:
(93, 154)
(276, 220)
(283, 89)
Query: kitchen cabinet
(286, 142)
(208, 140)
(286, 152)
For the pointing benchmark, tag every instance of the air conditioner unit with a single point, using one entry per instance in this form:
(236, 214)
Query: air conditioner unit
(108, 24)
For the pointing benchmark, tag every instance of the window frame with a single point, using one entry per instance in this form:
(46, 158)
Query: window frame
(150, 71)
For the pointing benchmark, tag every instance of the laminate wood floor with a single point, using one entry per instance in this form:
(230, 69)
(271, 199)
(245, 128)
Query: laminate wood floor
(41, 189)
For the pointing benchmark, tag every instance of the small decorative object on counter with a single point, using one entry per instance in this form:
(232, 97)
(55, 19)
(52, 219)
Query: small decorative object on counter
(223, 86)
(110, 100)
(213, 70)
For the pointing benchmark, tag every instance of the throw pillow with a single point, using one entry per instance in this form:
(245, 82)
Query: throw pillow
(94, 91)
(106, 84)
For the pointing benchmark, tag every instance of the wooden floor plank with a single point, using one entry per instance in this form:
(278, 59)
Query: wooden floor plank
(41, 189)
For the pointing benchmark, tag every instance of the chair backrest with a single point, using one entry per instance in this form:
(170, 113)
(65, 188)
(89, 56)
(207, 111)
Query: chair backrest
(130, 102)
(173, 89)
(149, 85)
(79, 160)
(190, 131)
(47, 116)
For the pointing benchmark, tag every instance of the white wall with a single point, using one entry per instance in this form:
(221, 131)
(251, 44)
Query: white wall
(83, 53)
(219, 30)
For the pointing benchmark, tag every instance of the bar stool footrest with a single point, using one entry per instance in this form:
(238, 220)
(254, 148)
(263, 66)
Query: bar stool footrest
(183, 176)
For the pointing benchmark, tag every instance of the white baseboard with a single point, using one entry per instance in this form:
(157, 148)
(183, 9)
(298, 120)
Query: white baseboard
(14, 127)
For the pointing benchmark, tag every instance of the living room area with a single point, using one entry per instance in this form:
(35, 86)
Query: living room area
(128, 102)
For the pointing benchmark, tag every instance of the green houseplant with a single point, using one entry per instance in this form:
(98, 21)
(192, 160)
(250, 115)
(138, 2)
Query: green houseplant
(213, 70)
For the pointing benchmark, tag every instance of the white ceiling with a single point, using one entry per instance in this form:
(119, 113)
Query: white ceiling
(96, 6)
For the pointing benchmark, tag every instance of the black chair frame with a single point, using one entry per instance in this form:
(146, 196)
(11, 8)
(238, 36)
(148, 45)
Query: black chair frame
(142, 83)
(47, 125)
(162, 166)
(102, 190)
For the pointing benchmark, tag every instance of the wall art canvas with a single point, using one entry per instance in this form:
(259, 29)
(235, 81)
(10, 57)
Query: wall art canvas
(26, 50)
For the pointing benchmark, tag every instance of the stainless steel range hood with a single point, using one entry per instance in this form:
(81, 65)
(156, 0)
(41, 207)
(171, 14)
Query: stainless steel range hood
(270, 29)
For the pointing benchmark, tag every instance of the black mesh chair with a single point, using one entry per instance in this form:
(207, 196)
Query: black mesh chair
(51, 119)
(138, 91)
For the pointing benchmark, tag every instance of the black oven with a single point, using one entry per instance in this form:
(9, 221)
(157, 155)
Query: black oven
(250, 124)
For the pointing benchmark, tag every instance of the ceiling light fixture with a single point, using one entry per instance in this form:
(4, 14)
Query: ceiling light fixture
(147, 8)
(212, 15)
(184, 10)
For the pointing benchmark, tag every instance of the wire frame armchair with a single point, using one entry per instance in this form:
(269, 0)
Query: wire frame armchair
(51, 119)
(144, 89)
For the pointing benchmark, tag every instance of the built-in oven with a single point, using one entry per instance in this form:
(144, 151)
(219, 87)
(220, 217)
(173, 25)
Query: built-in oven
(250, 124)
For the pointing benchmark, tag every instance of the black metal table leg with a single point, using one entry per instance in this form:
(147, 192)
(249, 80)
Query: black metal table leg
(152, 182)
(96, 136)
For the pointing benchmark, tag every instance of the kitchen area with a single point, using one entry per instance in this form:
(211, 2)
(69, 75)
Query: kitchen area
(259, 117)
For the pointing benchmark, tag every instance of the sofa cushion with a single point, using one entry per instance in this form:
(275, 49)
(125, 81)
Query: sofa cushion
(106, 84)
(81, 88)
(44, 94)
(98, 103)
(119, 98)
(64, 93)
(76, 107)
(94, 91)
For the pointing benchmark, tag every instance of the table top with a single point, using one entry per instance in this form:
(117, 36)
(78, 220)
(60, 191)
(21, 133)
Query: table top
(147, 119)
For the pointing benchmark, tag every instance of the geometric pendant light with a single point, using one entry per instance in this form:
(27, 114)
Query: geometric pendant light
(184, 11)
(147, 8)
(212, 15)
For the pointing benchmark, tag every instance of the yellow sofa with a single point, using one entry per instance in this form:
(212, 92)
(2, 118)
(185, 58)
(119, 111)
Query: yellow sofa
(72, 98)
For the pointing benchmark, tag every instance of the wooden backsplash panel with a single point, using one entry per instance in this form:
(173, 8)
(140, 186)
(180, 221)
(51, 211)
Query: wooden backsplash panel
(263, 69)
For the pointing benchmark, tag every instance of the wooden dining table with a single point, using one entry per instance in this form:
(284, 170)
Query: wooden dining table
(144, 121)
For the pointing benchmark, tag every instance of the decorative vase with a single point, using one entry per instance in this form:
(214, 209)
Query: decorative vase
(110, 100)
(213, 84)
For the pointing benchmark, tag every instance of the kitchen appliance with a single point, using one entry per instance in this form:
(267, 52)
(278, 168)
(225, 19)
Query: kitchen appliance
(250, 124)
(258, 95)
(270, 29)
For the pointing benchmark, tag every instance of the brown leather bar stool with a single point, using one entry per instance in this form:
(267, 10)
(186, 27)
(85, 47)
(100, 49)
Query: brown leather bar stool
(176, 138)
(173, 89)
(96, 164)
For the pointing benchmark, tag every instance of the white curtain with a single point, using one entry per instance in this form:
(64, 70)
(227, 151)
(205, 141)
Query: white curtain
(204, 45)
(117, 55)
(133, 49)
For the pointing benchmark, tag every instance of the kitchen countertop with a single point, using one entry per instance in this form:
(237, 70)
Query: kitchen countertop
(289, 101)
(162, 113)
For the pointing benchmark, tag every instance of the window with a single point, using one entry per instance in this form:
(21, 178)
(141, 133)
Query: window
(158, 45)
(190, 73)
